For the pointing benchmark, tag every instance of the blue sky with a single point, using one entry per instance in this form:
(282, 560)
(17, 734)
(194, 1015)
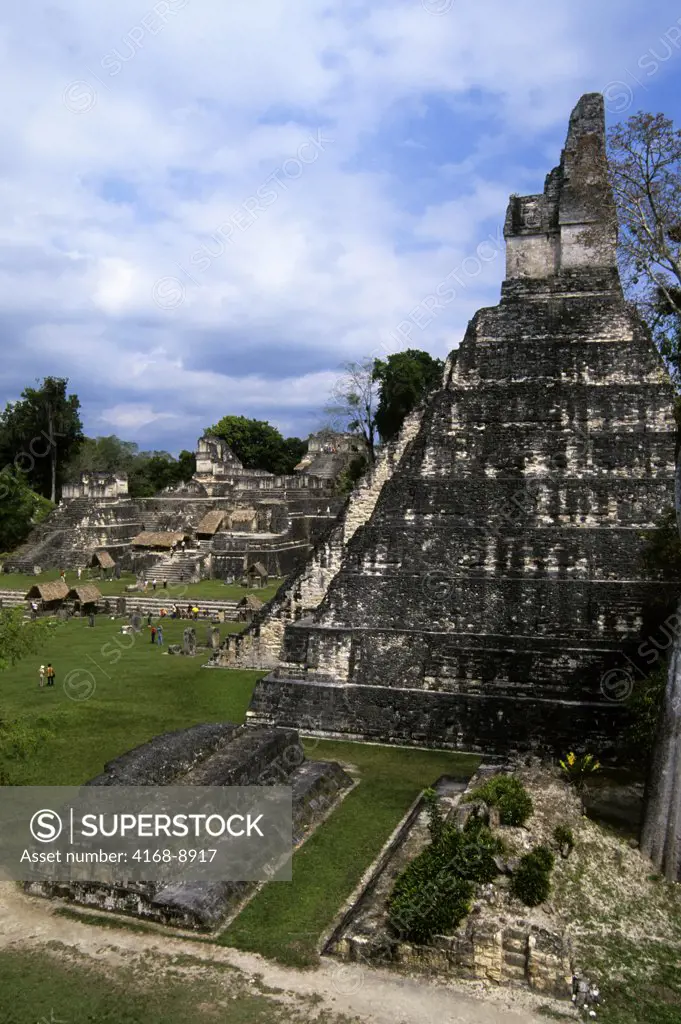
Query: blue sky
(209, 207)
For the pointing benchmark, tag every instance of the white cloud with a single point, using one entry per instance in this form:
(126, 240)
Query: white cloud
(181, 109)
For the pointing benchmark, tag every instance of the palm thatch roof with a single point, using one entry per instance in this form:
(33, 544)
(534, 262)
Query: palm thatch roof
(86, 593)
(211, 522)
(57, 590)
(256, 569)
(159, 539)
(251, 602)
(103, 559)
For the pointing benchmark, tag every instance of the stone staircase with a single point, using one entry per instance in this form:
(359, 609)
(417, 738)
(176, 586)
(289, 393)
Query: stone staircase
(179, 569)
(13, 598)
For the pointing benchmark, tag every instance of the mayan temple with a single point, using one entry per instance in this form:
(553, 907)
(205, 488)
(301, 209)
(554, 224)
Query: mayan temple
(491, 596)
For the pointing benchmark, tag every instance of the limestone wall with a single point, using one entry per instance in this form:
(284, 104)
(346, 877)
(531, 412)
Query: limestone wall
(260, 646)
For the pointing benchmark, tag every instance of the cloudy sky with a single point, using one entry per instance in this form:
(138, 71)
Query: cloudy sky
(208, 206)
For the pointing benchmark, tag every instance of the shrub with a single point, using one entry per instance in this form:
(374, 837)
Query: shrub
(644, 706)
(543, 857)
(436, 824)
(531, 882)
(509, 795)
(563, 836)
(433, 893)
(435, 908)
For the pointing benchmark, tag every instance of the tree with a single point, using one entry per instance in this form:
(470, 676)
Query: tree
(404, 380)
(259, 445)
(19, 637)
(152, 472)
(40, 433)
(148, 472)
(102, 455)
(644, 157)
(353, 403)
(661, 834)
(20, 509)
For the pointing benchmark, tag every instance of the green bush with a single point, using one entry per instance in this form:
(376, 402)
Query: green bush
(563, 836)
(509, 795)
(531, 882)
(543, 857)
(435, 908)
(433, 893)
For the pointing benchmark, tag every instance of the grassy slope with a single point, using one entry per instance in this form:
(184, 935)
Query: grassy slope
(625, 926)
(138, 693)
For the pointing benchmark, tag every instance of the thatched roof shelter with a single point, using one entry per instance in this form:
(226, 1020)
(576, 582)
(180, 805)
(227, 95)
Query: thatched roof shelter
(211, 522)
(256, 569)
(103, 559)
(48, 593)
(86, 593)
(159, 539)
(250, 603)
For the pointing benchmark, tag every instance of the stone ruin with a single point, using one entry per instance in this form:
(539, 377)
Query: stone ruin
(484, 589)
(96, 485)
(234, 516)
(218, 754)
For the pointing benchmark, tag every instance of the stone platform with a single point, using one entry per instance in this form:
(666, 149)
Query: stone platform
(220, 754)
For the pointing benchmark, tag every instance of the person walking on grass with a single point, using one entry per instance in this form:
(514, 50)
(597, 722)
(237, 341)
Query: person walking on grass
(160, 636)
(153, 584)
(50, 674)
(153, 634)
(41, 675)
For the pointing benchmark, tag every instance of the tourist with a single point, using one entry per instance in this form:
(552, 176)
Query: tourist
(41, 676)
(153, 634)
(165, 584)
(34, 610)
(79, 572)
(160, 636)
(91, 619)
(149, 619)
(153, 584)
(50, 674)
(195, 612)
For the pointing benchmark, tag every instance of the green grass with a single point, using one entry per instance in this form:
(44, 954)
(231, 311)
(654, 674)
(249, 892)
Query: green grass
(49, 988)
(284, 921)
(209, 590)
(139, 692)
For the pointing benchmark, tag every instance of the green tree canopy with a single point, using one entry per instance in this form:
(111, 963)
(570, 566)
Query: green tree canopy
(404, 379)
(20, 508)
(40, 433)
(148, 472)
(259, 445)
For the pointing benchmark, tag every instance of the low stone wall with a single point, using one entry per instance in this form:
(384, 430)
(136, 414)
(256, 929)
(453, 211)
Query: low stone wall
(489, 945)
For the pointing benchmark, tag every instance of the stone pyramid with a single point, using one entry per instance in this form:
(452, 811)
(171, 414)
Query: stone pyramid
(494, 599)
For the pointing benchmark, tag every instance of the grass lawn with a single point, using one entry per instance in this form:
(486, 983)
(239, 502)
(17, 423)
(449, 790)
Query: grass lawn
(48, 988)
(112, 694)
(210, 590)
(284, 921)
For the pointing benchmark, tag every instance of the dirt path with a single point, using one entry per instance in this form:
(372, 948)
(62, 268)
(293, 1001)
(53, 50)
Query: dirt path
(374, 996)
